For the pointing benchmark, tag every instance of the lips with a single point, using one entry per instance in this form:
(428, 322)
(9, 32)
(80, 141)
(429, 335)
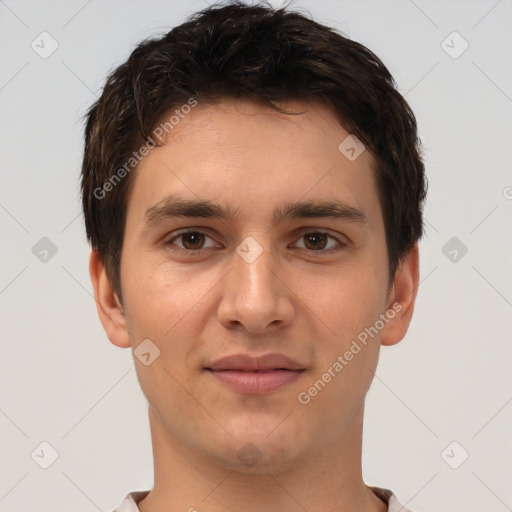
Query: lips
(255, 375)
(244, 362)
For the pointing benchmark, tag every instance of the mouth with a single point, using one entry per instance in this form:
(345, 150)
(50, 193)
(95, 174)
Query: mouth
(255, 375)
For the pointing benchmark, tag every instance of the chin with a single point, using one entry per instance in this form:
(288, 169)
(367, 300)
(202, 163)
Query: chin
(260, 448)
(251, 460)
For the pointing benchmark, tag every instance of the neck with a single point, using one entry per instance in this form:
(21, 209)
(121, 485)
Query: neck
(329, 480)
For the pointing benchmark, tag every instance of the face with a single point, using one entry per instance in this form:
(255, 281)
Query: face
(254, 260)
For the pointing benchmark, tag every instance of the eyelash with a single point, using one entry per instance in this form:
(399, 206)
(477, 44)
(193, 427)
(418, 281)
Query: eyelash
(169, 243)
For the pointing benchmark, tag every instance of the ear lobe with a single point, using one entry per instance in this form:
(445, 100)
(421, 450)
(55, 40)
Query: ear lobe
(402, 298)
(110, 310)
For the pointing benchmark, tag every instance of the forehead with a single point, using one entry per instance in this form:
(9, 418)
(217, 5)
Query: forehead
(248, 126)
(251, 157)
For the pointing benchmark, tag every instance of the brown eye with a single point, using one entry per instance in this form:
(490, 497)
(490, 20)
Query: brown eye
(192, 240)
(319, 241)
(315, 241)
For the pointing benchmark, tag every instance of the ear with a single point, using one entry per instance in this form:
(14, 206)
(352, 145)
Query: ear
(109, 307)
(402, 298)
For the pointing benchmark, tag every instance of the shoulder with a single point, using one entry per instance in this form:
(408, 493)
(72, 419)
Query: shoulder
(130, 501)
(388, 497)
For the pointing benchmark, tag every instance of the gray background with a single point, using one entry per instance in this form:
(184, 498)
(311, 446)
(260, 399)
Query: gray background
(63, 382)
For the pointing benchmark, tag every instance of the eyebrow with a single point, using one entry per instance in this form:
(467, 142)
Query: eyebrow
(315, 209)
(176, 206)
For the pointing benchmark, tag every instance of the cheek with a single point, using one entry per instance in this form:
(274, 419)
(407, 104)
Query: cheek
(349, 300)
(171, 307)
(160, 297)
(347, 349)
(164, 306)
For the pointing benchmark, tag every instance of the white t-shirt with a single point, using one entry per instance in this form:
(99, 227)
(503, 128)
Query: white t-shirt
(130, 502)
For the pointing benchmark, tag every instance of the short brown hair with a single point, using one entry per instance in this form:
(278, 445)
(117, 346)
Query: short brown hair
(252, 52)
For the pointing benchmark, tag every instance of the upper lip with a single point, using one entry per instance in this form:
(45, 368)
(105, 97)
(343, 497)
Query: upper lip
(249, 363)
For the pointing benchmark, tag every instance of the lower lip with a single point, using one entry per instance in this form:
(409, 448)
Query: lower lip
(256, 383)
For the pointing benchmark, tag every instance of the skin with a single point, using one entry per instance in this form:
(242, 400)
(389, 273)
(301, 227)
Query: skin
(205, 303)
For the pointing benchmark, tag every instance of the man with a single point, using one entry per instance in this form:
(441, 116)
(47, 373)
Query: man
(253, 190)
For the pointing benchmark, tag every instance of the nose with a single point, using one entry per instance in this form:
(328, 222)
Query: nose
(256, 297)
